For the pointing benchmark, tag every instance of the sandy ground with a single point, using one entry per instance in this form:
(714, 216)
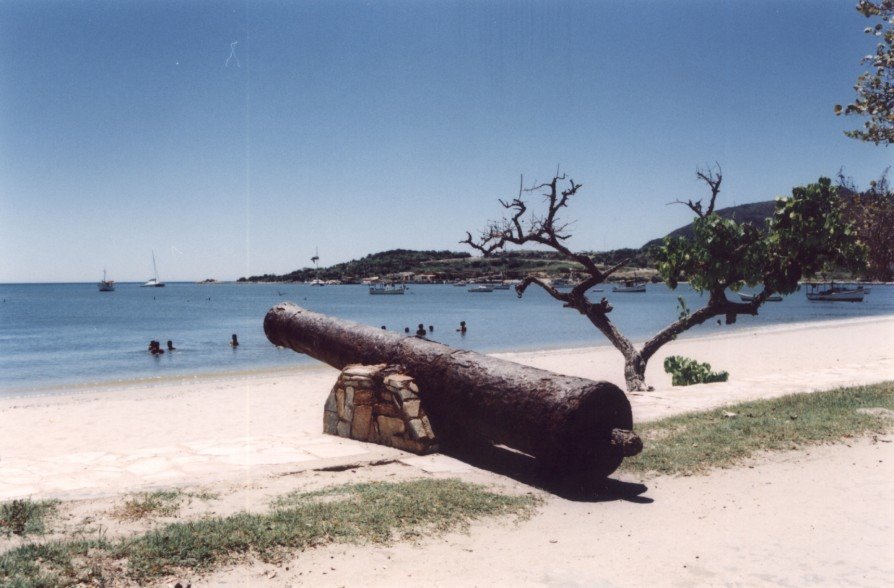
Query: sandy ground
(820, 518)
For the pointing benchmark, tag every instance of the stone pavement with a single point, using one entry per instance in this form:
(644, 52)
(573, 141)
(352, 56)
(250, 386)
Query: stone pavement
(95, 473)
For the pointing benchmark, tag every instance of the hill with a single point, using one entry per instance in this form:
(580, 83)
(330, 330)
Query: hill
(755, 213)
(452, 265)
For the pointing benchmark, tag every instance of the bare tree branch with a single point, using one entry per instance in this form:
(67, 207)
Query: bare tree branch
(546, 285)
(713, 177)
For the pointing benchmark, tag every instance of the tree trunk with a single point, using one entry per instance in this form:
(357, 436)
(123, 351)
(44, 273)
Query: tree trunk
(565, 422)
(634, 361)
(635, 372)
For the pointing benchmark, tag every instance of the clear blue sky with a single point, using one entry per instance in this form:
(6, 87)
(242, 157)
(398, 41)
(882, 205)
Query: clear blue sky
(357, 127)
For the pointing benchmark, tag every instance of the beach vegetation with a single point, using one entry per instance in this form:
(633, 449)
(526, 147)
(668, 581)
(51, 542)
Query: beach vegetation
(872, 213)
(26, 517)
(806, 233)
(694, 443)
(686, 371)
(875, 87)
(362, 513)
(158, 503)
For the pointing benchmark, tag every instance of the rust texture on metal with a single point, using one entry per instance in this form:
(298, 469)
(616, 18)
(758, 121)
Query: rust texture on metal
(564, 421)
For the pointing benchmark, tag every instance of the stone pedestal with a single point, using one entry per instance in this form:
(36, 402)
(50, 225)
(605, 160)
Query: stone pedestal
(377, 404)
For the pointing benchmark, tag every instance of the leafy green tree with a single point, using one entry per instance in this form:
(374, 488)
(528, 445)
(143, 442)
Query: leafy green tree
(875, 88)
(872, 213)
(805, 233)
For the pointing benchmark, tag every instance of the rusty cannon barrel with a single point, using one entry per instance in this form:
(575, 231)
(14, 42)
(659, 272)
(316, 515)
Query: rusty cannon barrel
(569, 424)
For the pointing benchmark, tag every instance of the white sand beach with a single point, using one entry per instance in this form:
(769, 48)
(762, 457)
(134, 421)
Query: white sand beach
(819, 517)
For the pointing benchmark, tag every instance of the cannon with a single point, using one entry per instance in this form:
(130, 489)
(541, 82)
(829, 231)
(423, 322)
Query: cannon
(570, 425)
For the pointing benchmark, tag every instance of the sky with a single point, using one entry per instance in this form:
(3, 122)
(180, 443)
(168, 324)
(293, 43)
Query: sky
(238, 138)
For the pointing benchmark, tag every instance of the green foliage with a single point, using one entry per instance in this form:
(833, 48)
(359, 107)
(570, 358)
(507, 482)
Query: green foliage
(872, 213)
(685, 371)
(806, 233)
(684, 309)
(695, 442)
(874, 88)
(25, 517)
(722, 253)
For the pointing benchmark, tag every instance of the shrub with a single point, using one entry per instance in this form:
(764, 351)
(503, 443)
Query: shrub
(23, 517)
(685, 371)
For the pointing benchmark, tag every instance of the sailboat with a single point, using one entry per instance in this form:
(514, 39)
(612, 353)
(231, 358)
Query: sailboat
(316, 281)
(106, 285)
(153, 282)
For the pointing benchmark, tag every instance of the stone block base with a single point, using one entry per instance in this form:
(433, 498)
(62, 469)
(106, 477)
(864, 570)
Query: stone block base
(378, 404)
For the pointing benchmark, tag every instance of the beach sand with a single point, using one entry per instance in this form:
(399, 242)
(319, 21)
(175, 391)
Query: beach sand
(817, 517)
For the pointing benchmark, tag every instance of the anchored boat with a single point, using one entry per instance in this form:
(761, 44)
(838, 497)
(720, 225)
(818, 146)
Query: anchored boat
(749, 297)
(106, 285)
(833, 292)
(153, 282)
(630, 286)
(387, 289)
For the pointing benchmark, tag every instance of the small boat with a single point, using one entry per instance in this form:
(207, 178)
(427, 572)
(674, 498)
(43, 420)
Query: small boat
(461, 284)
(153, 282)
(387, 289)
(630, 286)
(749, 297)
(316, 258)
(481, 288)
(106, 285)
(835, 293)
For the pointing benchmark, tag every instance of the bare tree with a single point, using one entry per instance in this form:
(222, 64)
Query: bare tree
(743, 257)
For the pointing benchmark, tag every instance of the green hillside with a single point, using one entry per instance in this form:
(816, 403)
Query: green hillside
(453, 265)
(755, 213)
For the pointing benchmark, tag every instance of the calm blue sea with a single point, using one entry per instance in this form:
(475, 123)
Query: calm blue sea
(54, 335)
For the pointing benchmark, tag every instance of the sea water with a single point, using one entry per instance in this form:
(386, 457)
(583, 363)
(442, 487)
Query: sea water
(55, 336)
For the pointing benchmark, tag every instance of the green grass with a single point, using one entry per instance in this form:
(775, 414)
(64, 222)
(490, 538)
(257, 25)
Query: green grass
(26, 517)
(694, 443)
(376, 512)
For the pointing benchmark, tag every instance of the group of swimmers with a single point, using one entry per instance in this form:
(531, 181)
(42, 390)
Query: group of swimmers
(155, 346)
(421, 332)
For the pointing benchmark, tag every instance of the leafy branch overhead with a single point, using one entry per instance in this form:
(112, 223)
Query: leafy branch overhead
(806, 233)
(875, 87)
